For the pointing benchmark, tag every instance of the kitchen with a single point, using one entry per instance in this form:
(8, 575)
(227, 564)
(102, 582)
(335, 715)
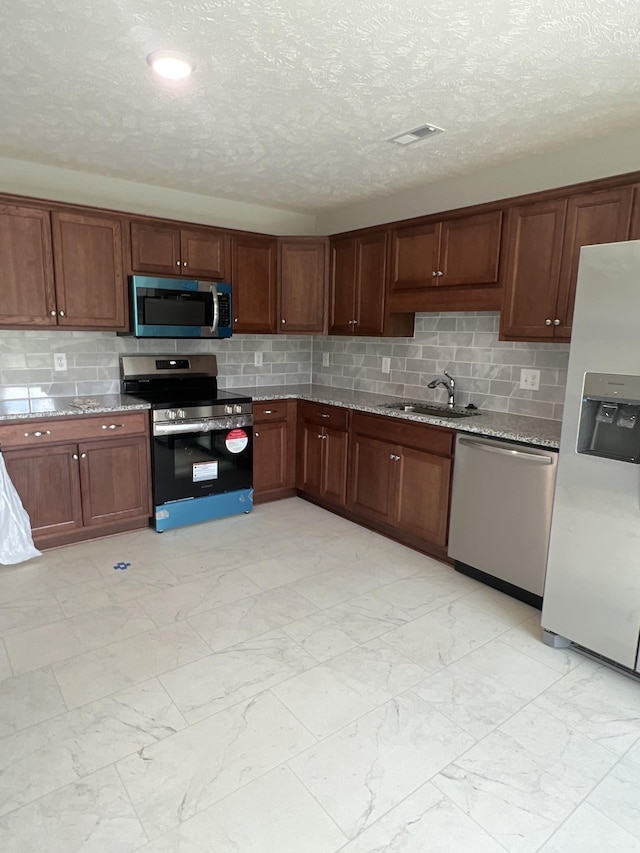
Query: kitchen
(363, 587)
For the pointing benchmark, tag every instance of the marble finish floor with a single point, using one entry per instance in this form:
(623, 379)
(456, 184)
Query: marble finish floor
(288, 682)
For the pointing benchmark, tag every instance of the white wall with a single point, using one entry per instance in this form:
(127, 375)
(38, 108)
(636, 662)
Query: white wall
(50, 182)
(599, 157)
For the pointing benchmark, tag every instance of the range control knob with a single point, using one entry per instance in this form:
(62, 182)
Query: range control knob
(237, 409)
(171, 414)
(182, 414)
(228, 410)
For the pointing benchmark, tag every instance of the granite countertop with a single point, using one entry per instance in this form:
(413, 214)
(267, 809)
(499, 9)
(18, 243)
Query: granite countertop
(528, 430)
(56, 407)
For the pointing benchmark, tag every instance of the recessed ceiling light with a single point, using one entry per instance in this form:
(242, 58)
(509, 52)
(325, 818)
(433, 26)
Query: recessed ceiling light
(416, 135)
(171, 64)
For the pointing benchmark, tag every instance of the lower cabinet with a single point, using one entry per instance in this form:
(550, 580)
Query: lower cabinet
(323, 441)
(274, 455)
(80, 489)
(400, 478)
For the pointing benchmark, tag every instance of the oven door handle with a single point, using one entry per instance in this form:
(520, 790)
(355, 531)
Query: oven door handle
(216, 309)
(175, 429)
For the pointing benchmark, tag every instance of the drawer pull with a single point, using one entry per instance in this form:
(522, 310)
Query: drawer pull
(256, 435)
(112, 426)
(268, 412)
(322, 415)
(37, 434)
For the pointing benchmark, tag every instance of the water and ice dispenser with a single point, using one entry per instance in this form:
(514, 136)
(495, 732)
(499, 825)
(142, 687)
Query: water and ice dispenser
(610, 417)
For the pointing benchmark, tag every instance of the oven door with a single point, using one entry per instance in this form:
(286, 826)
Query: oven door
(194, 460)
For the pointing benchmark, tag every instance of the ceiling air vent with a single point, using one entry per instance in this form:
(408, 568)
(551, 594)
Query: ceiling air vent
(417, 135)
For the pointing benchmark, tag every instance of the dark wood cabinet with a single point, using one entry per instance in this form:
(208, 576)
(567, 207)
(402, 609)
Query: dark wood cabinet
(75, 479)
(543, 242)
(400, 478)
(274, 455)
(634, 229)
(323, 440)
(89, 270)
(302, 272)
(358, 289)
(255, 286)
(190, 251)
(27, 294)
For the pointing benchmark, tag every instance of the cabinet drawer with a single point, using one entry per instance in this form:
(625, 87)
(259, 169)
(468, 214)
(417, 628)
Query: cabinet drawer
(270, 410)
(321, 415)
(432, 439)
(32, 433)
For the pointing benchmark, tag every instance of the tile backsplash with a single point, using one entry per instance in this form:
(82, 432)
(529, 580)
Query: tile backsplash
(487, 370)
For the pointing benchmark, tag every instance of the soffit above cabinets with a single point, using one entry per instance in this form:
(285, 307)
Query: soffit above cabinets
(291, 104)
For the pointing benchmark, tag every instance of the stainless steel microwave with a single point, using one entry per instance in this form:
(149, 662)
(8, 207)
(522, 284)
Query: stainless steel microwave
(178, 308)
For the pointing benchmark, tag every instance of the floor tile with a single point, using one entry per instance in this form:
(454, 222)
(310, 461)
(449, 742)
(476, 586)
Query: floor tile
(524, 779)
(192, 770)
(196, 596)
(91, 816)
(589, 831)
(527, 638)
(49, 644)
(232, 623)
(28, 699)
(337, 692)
(502, 607)
(20, 614)
(272, 572)
(417, 596)
(284, 818)
(384, 755)
(43, 575)
(444, 635)
(617, 796)
(43, 757)
(223, 678)
(95, 674)
(425, 822)
(5, 666)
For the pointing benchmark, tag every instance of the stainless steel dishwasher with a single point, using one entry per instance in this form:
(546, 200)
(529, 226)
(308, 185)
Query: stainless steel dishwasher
(501, 514)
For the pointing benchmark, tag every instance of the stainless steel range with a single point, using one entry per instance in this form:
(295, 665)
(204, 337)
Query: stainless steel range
(202, 438)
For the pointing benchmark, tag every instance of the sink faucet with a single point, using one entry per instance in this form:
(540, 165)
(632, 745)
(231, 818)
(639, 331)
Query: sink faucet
(450, 384)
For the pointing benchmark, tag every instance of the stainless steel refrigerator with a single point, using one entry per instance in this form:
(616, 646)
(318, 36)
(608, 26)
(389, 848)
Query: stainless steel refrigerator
(592, 587)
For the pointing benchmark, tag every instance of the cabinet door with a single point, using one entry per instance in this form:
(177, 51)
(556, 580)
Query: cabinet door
(634, 229)
(27, 296)
(532, 269)
(371, 282)
(303, 285)
(88, 260)
(334, 466)
(343, 286)
(48, 483)
(270, 455)
(597, 217)
(204, 253)
(371, 481)
(254, 270)
(310, 459)
(114, 479)
(470, 250)
(155, 248)
(414, 257)
(422, 495)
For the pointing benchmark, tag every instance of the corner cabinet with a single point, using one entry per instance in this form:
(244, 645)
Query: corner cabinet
(302, 273)
(76, 478)
(254, 271)
(274, 450)
(323, 441)
(543, 242)
(190, 251)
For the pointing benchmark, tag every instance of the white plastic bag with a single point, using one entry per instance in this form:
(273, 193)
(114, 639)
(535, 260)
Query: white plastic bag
(16, 543)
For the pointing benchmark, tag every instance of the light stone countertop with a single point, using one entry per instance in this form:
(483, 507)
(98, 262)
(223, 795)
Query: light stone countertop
(57, 407)
(521, 428)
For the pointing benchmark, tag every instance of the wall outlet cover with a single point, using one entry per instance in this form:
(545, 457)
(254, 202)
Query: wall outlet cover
(257, 359)
(59, 361)
(530, 379)
(386, 365)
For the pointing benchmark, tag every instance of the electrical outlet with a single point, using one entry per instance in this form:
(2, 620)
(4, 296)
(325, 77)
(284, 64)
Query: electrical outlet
(530, 379)
(257, 359)
(386, 365)
(59, 361)
(325, 359)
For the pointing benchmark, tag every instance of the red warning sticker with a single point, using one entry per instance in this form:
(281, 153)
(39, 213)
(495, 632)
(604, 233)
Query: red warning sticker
(236, 440)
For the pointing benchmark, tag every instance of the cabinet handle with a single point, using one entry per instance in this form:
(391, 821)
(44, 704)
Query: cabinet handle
(283, 321)
(235, 319)
(256, 435)
(177, 263)
(53, 313)
(268, 412)
(38, 433)
(394, 457)
(111, 426)
(556, 322)
(184, 263)
(440, 272)
(322, 415)
(83, 456)
(434, 273)
(62, 313)
(75, 456)
(547, 322)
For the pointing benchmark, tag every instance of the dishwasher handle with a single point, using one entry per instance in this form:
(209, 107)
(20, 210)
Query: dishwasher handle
(525, 455)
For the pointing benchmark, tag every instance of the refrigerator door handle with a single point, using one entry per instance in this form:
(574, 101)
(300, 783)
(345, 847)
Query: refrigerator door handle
(503, 451)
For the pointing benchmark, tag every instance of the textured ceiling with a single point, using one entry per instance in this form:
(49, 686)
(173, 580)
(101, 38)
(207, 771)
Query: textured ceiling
(292, 99)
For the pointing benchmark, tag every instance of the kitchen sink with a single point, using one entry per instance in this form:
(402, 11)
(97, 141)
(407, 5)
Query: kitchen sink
(431, 409)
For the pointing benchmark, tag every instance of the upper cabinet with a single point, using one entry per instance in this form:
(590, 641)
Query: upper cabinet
(303, 285)
(189, 251)
(543, 242)
(358, 304)
(461, 252)
(62, 269)
(254, 262)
